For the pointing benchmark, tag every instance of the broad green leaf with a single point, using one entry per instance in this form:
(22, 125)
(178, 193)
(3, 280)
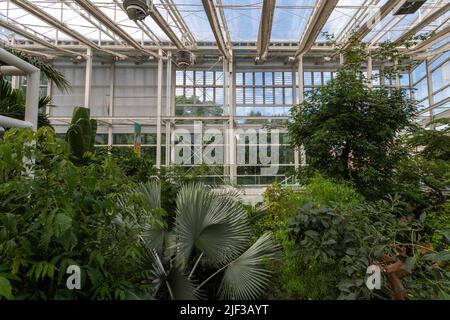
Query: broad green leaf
(5, 288)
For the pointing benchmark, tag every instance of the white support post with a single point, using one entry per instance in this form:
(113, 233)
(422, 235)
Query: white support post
(232, 114)
(88, 82)
(33, 85)
(168, 106)
(49, 94)
(369, 71)
(32, 98)
(159, 110)
(112, 80)
(294, 100)
(15, 80)
(299, 153)
(397, 75)
(430, 90)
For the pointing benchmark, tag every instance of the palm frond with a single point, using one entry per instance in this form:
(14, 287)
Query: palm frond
(246, 277)
(48, 70)
(168, 275)
(12, 104)
(216, 225)
(151, 192)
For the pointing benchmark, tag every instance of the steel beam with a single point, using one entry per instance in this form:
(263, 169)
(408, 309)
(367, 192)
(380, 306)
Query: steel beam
(173, 12)
(211, 13)
(50, 20)
(422, 24)
(224, 23)
(395, 21)
(113, 26)
(376, 18)
(319, 17)
(34, 38)
(437, 37)
(359, 16)
(164, 25)
(265, 30)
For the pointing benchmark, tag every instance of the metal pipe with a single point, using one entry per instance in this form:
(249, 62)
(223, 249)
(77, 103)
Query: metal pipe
(8, 122)
(11, 71)
(33, 82)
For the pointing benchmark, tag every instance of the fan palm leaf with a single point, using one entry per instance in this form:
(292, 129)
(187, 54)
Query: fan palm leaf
(216, 225)
(246, 277)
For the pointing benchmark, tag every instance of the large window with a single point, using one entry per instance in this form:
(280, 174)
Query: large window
(199, 93)
(263, 93)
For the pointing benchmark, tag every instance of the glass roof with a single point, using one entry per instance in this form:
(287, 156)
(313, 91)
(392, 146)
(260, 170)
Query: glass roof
(242, 20)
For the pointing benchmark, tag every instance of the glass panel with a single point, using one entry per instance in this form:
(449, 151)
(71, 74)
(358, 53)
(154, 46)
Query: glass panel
(290, 19)
(243, 17)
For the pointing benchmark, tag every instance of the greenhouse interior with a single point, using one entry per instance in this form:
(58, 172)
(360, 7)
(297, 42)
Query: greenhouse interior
(224, 149)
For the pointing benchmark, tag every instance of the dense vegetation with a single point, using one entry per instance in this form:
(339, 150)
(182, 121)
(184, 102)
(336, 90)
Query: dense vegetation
(56, 212)
(376, 191)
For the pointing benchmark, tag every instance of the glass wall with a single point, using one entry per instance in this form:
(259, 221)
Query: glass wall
(199, 93)
(438, 83)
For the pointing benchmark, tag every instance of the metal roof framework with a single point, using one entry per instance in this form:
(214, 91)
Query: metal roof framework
(120, 39)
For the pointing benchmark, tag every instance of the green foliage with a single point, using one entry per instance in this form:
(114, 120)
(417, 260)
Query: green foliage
(350, 131)
(211, 232)
(137, 169)
(330, 235)
(48, 70)
(81, 134)
(54, 214)
(12, 104)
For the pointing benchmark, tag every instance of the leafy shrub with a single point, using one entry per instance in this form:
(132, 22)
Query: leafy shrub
(351, 239)
(54, 214)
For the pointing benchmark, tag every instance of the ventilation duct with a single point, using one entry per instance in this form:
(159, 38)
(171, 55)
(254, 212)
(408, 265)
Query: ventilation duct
(410, 7)
(137, 9)
(184, 59)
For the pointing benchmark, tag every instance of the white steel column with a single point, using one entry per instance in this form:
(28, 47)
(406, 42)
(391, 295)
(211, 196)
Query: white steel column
(397, 75)
(15, 80)
(49, 94)
(112, 81)
(33, 83)
(294, 100)
(230, 103)
(159, 109)
(369, 72)
(168, 106)
(300, 153)
(88, 81)
(430, 89)
(227, 109)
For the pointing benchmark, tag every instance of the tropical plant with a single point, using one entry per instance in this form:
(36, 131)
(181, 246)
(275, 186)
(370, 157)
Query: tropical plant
(211, 229)
(48, 70)
(12, 104)
(351, 131)
(81, 133)
(64, 215)
(349, 240)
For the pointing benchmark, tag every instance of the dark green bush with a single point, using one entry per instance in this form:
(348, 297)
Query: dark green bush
(54, 214)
